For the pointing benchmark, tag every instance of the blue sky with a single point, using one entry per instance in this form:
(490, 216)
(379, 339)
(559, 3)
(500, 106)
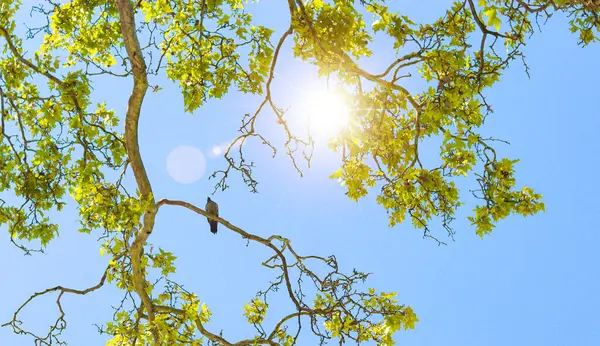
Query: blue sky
(534, 281)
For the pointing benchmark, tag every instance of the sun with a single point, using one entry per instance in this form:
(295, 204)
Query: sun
(328, 113)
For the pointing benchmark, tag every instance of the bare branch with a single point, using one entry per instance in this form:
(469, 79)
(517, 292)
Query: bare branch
(61, 323)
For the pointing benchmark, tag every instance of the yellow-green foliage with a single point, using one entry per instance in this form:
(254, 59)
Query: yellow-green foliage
(57, 142)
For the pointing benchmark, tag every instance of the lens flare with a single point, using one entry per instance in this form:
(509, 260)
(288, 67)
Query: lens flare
(328, 114)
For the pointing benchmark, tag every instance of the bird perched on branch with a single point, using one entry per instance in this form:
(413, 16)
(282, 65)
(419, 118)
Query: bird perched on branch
(213, 209)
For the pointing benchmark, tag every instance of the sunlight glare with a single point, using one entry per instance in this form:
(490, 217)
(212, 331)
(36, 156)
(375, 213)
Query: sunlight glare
(328, 114)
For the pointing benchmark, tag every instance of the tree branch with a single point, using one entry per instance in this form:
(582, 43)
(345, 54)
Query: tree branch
(60, 323)
(140, 85)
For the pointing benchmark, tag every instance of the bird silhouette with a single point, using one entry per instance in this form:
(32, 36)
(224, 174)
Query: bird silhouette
(213, 209)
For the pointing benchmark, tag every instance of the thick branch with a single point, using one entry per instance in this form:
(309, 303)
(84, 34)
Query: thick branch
(140, 85)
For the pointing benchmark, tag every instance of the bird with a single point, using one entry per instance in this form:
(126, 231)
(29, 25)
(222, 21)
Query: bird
(212, 208)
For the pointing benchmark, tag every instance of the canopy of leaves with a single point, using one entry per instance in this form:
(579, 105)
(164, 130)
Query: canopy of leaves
(55, 141)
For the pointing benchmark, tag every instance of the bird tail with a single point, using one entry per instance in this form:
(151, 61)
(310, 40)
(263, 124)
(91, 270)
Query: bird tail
(213, 227)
